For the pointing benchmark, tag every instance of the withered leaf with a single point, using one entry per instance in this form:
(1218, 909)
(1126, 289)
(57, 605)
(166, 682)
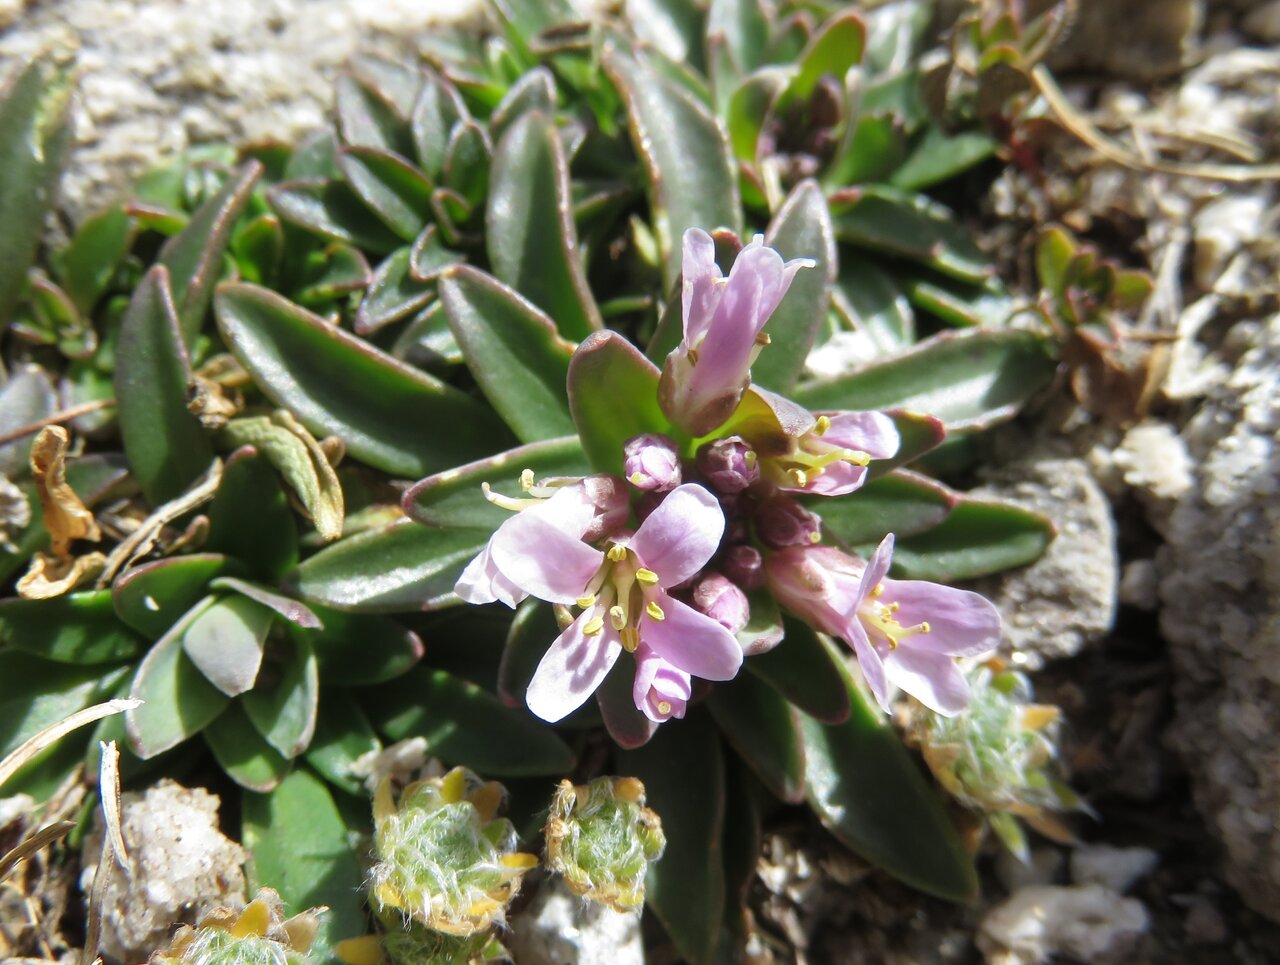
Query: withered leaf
(50, 575)
(65, 517)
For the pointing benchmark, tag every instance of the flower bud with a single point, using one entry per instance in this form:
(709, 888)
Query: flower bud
(729, 465)
(744, 565)
(259, 933)
(445, 859)
(782, 522)
(646, 503)
(723, 601)
(601, 838)
(652, 463)
(612, 504)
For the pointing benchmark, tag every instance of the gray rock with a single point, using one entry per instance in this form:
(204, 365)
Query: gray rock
(1220, 586)
(1115, 868)
(559, 928)
(1037, 923)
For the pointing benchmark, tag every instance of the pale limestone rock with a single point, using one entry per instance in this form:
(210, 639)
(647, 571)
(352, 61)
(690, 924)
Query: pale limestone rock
(1088, 923)
(1115, 868)
(559, 928)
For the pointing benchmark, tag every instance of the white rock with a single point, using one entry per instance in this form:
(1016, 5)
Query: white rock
(15, 808)
(1089, 923)
(559, 928)
(1111, 867)
(1138, 585)
(1040, 868)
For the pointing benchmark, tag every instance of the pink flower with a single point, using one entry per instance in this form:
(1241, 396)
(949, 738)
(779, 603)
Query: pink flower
(724, 319)
(904, 632)
(830, 459)
(661, 691)
(622, 593)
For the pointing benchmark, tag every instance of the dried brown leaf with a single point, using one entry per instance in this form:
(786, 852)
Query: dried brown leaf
(49, 576)
(65, 517)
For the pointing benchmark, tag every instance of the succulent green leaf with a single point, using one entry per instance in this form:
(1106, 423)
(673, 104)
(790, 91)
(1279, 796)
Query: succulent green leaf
(888, 221)
(150, 598)
(765, 731)
(178, 700)
(613, 395)
(34, 138)
(394, 189)
(530, 233)
(976, 539)
(1055, 250)
(331, 209)
(28, 396)
(800, 669)
(397, 82)
(464, 724)
(968, 379)
(895, 33)
(429, 257)
(917, 434)
(872, 148)
(195, 256)
(672, 26)
(628, 727)
(367, 118)
(343, 734)
(397, 569)
(283, 710)
(296, 613)
(801, 229)
(79, 628)
(467, 162)
(315, 157)
(86, 266)
(869, 792)
(693, 181)
(960, 304)
(683, 772)
(743, 26)
(243, 753)
(868, 301)
(749, 107)
(250, 519)
(330, 273)
(532, 629)
(743, 840)
(512, 349)
(339, 385)
(393, 294)
(427, 342)
(438, 110)
(939, 156)
(902, 502)
(225, 642)
(535, 91)
(257, 246)
(165, 444)
(836, 47)
(359, 649)
(300, 845)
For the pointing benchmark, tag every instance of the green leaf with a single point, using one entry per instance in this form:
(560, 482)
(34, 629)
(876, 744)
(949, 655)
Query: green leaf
(901, 502)
(682, 768)
(296, 613)
(532, 630)
(165, 444)
(396, 191)
(35, 693)
(330, 209)
(355, 650)
(438, 110)
(250, 519)
(343, 734)
(626, 724)
(454, 497)
(151, 597)
(960, 304)
(672, 26)
(28, 396)
(367, 118)
(393, 294)
(918, 434)
(512, 350)
(868, 300)
(225, 642)
(283, 710)
(693, 182)
(801, 229)
(195, 256)
(530, 234)
(467, 162)
(397, 569)
(837, 46)
(34, 138)
(77, 628)
(426, 342)
(258, 247)
(1055, 249)
(178, 701)
(429, 257)
(613, 395)
(330, 273)
(299, 844)
(888, 221)
(939, 156)
(242, 752)
(744, 27)
(872, 148)
(869, 792)
(86, 266)
(802, 671)
(748, 109)
(339, 385)
(464, 724)
(978, 538)
(764, 624)
(969, 379)
(765, 731)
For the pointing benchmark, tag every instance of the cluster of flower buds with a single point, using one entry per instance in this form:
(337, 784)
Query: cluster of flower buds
(258, 934)
(660, 564)
(602, 838)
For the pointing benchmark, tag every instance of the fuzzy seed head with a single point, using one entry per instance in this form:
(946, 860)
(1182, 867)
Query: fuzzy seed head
(258, 935)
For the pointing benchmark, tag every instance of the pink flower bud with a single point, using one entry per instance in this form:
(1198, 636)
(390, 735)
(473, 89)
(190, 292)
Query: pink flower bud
(744, 565)
(782, 522)
(608, 495)
(729, 465)
(652, 463)
(723, 601)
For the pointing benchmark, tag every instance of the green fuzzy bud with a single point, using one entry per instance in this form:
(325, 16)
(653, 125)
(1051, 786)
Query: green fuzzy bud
(258, 935)
(601, 838)
(445, 859)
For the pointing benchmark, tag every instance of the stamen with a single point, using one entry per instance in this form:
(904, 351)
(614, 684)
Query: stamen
(655, 611)
(877, 591)
(586, 601)
(750, 458)
(635, 478)
(798, 477)
(617, 553)
(822, 425)
(693, 355)
(646, 576)
(526, 479)
(617, 616)
(594, 627)
(763, 339)
(630, 638)
(815, 537)
(664, 707)
(855, 456)
(505, 502)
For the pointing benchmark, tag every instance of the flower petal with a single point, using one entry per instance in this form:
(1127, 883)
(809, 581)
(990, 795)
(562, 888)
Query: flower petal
(870, 432)
(869, 662)
(961, 623)
(876, 569)
(678, 538)
(571, 670)
(693, 642)
(700, 289)
(482, 582)
(543, 560)
(931, 678)
(836, 480)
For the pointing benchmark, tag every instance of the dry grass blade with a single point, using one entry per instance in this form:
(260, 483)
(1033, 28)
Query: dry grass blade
(113, 849)
(32, 843)
(54, 732)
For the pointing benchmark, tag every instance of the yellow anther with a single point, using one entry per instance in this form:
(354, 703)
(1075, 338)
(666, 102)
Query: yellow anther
(594, 627)
(526, 479)
(856, 456)
(655, 611)
(617, 553)
(798, 477)
(923, 627)
(893, 642)
(822, 425)
(630, 638)
(877, 591)
(750, 458)
(693, 356)
(635, 479)
(586, 601)
(646, 576)
(618, 617)
(763, 339)
(815, 537)
(664, 707)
